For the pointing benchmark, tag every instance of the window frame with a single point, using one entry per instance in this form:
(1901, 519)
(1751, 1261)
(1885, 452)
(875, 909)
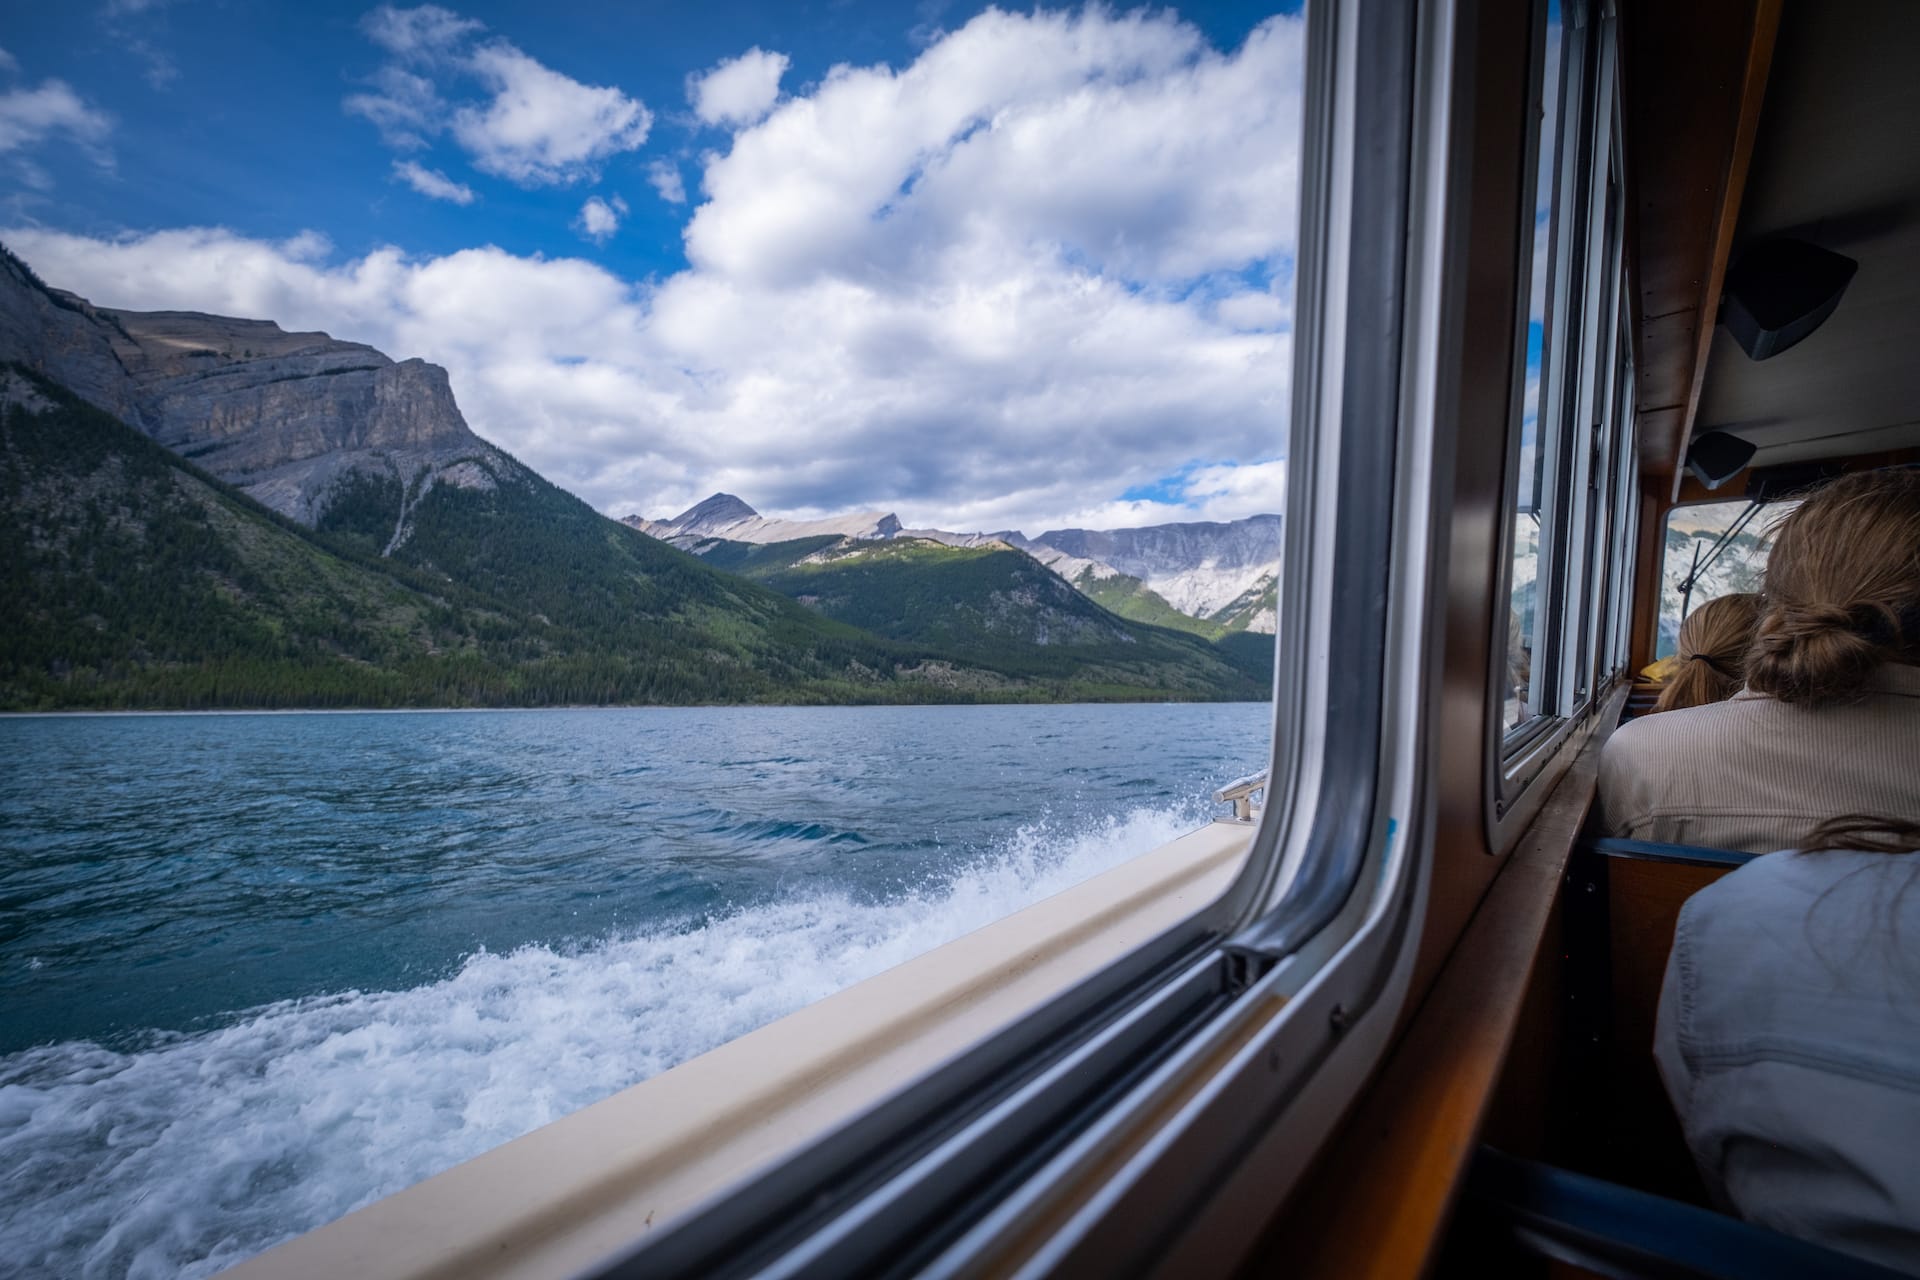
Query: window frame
(1325, 916)
(1582, 297)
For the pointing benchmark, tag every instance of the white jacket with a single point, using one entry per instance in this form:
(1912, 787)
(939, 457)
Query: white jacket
(1789, 1041)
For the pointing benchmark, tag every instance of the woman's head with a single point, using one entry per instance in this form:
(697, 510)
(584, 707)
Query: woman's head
(1842, 589)
(1712, 653)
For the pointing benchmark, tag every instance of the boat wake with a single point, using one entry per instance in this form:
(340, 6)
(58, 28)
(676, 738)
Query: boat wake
(188, 1153)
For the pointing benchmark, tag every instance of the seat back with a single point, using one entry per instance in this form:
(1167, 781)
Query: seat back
(1622, 904)
(1512, 1209)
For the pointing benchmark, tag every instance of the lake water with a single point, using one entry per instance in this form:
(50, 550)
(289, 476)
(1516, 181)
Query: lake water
(258, 970)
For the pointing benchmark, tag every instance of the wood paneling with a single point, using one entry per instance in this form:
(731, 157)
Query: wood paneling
(1376, 1203)
(1629, 1133)
(1649, 551)
(1693, 75)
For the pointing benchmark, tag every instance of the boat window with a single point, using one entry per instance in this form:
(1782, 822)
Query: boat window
(1570, 452)
(1626, 497)
(1536, 491)
(1050, 251)
(1713, 549)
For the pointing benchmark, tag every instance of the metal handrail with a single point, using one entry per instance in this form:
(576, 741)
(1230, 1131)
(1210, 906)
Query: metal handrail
(1240, 794)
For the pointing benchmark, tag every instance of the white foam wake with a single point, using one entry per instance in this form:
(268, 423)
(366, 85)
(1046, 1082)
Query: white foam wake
(202, 1150)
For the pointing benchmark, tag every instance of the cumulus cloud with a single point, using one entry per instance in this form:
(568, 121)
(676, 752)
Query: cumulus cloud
(534, 126)
(740, 90)
(665, 177)
(543, 127)
(1042, 266)
(432, 183)
(599, 219)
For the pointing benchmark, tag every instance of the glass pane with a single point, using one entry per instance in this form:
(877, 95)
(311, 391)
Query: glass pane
(852, 359)
(1593, 580)
(1534, 490)
(1694, 572)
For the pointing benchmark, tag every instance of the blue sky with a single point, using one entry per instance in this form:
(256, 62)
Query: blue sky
(1019, 267)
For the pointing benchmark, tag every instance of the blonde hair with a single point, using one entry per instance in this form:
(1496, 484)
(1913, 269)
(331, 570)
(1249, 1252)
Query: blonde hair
(1842, 589)
(1712, 653)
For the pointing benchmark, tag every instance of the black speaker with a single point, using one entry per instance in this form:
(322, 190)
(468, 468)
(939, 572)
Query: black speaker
(1717, 457)
(1780, 291)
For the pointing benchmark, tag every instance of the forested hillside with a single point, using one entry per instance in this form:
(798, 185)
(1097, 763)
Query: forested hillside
(990, 603)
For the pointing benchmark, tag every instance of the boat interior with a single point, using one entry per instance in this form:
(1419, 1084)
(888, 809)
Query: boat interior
(1390, 1015)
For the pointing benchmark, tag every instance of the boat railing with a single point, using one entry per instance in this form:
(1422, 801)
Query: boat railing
(1240, 794)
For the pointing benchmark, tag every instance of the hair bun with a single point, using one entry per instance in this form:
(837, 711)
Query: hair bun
(1813, 653)
(1843, 582)
(1808, 619)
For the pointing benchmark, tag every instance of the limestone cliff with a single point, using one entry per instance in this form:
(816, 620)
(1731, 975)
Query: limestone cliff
(287, 417)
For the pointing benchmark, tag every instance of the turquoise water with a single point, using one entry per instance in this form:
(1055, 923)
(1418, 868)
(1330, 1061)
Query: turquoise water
(257, 970)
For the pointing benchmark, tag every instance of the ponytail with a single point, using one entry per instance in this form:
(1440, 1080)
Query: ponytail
(1712, 653)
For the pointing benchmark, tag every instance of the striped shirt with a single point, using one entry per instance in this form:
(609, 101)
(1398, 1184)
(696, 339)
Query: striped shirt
(1758, 774)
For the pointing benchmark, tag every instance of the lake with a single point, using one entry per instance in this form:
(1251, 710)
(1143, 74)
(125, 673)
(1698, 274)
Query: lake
(262, 969)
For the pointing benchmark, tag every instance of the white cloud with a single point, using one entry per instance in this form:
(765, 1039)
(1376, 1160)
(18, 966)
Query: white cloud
(665, 177)
(31, 116)
(432, 183)
(740, 90)
(535, 126)
(599, 219)
(1123, 141)
(162, 70)
(418, 32)
(405, 107)
(8, 62)
(543, 127)
(1031, 271)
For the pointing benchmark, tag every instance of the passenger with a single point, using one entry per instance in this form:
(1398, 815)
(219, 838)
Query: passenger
(1789, 1039)
(1710, 661)
(1829, 722)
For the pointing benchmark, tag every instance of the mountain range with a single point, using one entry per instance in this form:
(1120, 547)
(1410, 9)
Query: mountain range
(1208, 578)
(208, 511)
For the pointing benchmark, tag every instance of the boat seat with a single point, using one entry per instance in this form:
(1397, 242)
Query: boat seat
(1520, 1207)
(1622, 901)
(1698, 855)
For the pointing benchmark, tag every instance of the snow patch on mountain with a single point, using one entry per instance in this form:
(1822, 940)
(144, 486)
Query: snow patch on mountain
(1199, 568)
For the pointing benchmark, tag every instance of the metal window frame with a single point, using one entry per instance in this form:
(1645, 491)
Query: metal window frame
(1024, 1128)
(1591, 360)
(1519, 746)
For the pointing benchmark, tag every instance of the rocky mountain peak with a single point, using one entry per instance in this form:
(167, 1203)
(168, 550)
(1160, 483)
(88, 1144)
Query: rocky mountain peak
(286, 416)
(712, 515)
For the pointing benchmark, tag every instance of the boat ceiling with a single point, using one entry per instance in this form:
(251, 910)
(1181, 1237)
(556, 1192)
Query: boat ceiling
(1836, 161)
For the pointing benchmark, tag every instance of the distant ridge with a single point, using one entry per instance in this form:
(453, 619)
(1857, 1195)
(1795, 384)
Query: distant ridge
(725, 516)
(1220, 573)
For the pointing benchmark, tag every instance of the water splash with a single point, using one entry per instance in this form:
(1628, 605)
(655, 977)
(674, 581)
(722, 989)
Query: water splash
(192, 1152)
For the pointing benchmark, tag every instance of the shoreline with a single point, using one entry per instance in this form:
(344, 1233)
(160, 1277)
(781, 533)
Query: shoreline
(609, 706)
